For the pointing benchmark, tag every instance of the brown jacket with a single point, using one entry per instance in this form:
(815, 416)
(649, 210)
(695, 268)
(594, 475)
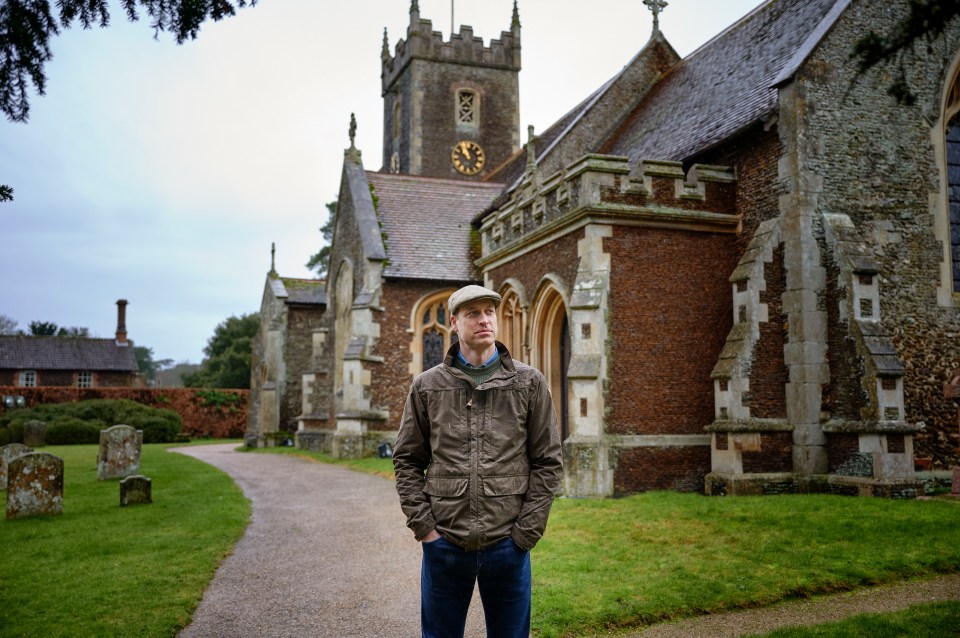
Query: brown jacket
(479, 464)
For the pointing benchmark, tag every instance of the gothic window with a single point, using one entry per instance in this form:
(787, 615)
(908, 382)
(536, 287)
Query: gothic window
(953, 196)
(433, 334)
(512, 324)
(468, 108)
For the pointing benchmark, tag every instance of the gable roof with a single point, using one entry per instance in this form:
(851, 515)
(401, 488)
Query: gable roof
(302, 292)
(65, 353)
(426, 223)
(725, 85)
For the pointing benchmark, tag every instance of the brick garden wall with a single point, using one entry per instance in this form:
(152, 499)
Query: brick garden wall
(199, 419)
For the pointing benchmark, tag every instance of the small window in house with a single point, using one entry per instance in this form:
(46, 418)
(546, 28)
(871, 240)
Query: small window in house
(84, 379)
(468, 108)
(28, 378)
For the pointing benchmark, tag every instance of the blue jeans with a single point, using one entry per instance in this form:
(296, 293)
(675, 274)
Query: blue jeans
(502, 572)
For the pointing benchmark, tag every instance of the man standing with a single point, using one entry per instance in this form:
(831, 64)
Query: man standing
(478, 462)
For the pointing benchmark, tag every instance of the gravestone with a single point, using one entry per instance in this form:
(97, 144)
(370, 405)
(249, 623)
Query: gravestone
(955, 487)
(8, 453)
(34, 433)
(119, 453)
(35, 485)
(135, 490)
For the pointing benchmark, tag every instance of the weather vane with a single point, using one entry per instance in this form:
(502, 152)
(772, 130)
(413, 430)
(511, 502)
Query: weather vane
(656, 6)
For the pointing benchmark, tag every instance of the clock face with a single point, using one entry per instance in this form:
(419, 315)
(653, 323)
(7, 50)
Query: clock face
(467, 157)
(395, 162)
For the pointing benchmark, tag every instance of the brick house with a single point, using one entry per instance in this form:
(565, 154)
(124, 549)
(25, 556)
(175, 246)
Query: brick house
(738, 270)
(40, 361)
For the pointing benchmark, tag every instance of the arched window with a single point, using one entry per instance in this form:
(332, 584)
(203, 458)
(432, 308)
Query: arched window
(952, 117)
(432, 332)
(467, 108)
(551, 347)
(512, 324)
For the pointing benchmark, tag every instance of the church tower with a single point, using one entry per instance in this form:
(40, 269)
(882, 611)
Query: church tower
(450, 109)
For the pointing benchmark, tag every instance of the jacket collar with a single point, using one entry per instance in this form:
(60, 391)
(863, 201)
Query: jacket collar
(506, 362)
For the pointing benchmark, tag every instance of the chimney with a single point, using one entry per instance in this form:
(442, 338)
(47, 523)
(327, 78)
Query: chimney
(121, 322)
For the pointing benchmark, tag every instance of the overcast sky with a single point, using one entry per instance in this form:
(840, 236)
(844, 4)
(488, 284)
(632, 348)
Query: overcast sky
(161, 174)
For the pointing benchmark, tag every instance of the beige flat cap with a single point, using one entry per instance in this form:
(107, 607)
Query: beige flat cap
(471, 293)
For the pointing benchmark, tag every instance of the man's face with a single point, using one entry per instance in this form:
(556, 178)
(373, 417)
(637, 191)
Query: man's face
(476, 324)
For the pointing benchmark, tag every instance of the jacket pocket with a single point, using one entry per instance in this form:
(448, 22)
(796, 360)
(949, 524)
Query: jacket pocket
(445, 485)
(505, 485)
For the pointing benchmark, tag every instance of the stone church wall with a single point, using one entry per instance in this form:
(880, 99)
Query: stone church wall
(392, 379)
(497, 90)
(298, 354)
(879, 167)
(754, 156)
(669, 317)
(557, 258)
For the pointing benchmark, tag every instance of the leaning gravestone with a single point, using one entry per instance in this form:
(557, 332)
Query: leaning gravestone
(35, 485)
(135, 490)
(8, 453)
(34, 433)
(119, 453)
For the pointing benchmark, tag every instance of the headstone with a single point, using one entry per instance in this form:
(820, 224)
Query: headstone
(8, 453)
(34, 433)
(955, 488)
(135, 490)
(119, 453)
(35, 485)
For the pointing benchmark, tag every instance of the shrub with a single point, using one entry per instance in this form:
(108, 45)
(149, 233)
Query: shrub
(157, 429)
(73, 431)
(158, 425)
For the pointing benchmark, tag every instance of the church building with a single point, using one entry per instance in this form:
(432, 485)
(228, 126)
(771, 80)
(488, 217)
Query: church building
(738, 270)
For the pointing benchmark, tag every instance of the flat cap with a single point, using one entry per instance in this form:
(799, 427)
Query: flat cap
(471, 293)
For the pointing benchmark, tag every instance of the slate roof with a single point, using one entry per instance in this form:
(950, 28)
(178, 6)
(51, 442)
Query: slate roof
(426, 221)
(65, 353)
(725, 85)
(305, 292)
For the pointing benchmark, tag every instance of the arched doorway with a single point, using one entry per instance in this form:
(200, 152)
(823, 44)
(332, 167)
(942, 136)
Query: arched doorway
(551, 349)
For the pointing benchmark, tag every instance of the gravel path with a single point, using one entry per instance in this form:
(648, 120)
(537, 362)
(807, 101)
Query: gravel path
(327, 555)
(874, 600)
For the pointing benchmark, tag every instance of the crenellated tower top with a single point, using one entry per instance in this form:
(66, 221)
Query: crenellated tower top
(422, 42)
(451, 109)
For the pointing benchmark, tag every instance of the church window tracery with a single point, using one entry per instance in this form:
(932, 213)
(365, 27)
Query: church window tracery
(468, 108)
(432, 333)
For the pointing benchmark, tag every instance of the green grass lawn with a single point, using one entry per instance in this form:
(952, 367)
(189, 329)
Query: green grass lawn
(100, 570)
(933, 620)
(604, 565)
(608, 564)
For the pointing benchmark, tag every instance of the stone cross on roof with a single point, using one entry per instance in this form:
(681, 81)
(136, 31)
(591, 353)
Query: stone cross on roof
(353, 130)
(656, 6)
